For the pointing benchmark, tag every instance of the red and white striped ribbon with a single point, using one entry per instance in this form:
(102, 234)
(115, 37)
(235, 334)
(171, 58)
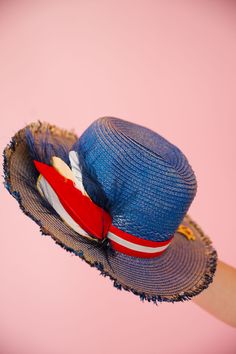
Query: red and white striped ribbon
(65, 193)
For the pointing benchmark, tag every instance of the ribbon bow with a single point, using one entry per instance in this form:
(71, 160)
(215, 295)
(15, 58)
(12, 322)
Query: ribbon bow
(64, 190)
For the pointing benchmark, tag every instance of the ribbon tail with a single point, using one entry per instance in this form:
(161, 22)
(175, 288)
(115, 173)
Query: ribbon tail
(74, 161)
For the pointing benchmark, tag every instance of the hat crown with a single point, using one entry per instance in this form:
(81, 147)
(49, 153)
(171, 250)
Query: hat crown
(145, 182)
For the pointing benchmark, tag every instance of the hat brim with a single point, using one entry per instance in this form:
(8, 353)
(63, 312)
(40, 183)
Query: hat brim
(185, 269)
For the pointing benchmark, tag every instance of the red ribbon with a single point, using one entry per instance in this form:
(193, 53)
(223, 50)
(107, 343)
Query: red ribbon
(94, 220)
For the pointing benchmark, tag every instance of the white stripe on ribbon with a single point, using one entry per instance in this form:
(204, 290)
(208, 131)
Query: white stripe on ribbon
(134, 246)
(74, 161)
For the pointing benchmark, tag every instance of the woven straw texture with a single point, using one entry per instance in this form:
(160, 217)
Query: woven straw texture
(147, 180)
(184, 270)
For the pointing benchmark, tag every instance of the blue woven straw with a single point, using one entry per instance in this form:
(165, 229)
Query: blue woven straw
(144, 182)
(147, 181)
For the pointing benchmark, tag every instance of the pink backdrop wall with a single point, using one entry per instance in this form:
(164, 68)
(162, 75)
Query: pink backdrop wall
(167, 65)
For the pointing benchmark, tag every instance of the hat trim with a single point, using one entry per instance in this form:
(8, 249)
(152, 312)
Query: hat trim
(182, 296)
(54, 188)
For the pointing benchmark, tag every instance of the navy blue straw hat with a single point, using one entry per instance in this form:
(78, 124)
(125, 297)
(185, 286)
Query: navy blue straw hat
(117, 197)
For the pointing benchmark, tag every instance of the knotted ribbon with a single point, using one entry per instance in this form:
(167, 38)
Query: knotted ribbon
(64, 190)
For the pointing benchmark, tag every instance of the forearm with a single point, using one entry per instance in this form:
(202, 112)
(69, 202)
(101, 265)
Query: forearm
(219, 299)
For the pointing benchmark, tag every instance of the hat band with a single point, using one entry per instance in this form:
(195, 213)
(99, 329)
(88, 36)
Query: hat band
(135, 246)
(86, 218)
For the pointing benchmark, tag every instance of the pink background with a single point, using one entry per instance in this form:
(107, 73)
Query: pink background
(167, 65)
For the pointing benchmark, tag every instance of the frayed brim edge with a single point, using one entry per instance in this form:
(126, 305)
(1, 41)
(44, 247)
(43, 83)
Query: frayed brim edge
(182, 296)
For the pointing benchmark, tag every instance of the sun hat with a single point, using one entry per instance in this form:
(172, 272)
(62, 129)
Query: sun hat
(118, 198)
